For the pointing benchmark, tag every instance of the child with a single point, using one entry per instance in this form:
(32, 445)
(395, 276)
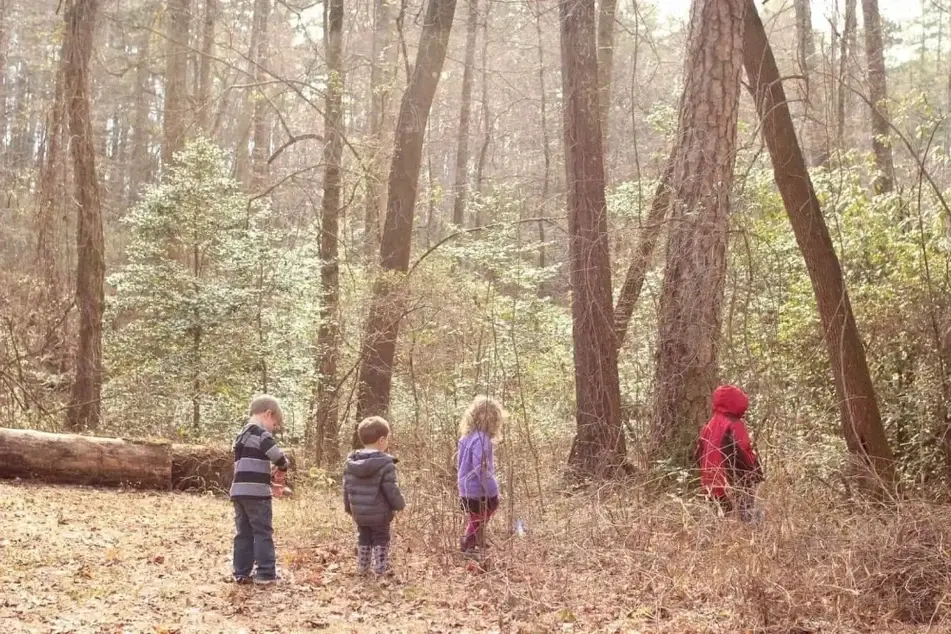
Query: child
(254, 451)
(371, 495)
(729, 467)
(480, 427)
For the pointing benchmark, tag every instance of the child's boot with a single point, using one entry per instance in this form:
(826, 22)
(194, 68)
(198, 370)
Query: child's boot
(363, 559)
(381, 559)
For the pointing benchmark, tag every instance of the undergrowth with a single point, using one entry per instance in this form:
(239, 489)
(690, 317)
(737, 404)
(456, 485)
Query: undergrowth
(622, 559)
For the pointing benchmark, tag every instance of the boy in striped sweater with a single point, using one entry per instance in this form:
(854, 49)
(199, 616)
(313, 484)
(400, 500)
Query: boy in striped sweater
(254, 451)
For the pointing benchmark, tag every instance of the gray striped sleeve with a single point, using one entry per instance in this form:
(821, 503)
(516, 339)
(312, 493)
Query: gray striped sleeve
(272, 451)
(253, 465)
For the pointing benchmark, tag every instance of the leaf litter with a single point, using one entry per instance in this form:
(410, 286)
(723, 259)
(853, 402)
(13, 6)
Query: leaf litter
(79, 560)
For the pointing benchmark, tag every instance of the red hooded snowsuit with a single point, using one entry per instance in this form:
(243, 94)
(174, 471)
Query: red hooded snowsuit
(726, 454)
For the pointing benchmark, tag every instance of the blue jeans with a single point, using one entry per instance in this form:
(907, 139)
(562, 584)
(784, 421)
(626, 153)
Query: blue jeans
(253, 539)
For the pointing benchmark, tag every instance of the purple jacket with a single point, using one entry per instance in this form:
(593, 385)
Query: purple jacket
(476, 465)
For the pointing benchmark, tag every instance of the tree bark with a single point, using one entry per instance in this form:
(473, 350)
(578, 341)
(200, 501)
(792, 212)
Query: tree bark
(49, 194)
(599, 449)
(878, 92)
(847, 50)
(204, 66)
(382, 74)
(176, 86)
(70, 459)
(606, 17)
(261, 126)
(84, 405)
(382, 327)
(809, 91)
(643, 255)
(462, 142)
(6, 7)
(546, 143)
(861, 420)
(327, 451)
(691, 296)
(486, 109)
(141, 167)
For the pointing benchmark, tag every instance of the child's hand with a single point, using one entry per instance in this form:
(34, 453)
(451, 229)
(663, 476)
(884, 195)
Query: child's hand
(278, 478)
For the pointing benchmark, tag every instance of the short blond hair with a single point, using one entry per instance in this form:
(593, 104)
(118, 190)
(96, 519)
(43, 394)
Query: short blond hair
(372, 429)
(264, 403)
(484, 414)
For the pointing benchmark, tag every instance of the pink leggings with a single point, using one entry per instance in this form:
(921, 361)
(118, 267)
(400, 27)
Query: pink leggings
(478, 513)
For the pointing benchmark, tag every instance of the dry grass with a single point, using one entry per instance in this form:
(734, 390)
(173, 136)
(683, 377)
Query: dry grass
(83, 560)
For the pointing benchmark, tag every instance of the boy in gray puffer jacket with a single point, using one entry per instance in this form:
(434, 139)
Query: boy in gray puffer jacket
(371, 495)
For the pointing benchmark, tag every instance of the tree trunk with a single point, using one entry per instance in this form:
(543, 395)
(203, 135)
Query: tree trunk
(204, 66)
(861, 420)
(599, 449)
(260, 124)
(462, 143)
(643, 255)
(246, 108)
(606, 17)
(202, 468)
(328, 337)
(546, 143)
(84, 406)
(49, 192)
(878, 92)
(382, 74)
(5, 11)
(691, 297)
(70, 459)
(176, 87)
(486, 110)
(845, 95)
(382, 327)
(141, 138)
(809, 91)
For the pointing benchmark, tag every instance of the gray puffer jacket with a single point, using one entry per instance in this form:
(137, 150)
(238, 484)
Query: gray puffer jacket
(370, 492)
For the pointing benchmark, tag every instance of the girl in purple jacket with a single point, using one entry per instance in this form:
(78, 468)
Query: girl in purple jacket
(480, 427)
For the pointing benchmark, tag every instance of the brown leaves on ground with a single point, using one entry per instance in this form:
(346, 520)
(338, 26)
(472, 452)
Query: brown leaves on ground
(78, 560)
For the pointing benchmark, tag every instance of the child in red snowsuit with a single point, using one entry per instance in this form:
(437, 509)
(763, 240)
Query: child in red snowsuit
(729, 467)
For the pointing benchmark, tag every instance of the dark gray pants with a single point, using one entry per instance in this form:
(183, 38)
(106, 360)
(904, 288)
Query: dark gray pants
(254, 539)
(373, 535)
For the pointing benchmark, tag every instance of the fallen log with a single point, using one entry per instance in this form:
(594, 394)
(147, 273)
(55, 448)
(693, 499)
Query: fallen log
(73, 459)
(146, 464)
(201, 468)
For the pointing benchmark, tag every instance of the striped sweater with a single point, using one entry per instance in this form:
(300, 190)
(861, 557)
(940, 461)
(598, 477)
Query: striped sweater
(254, 451)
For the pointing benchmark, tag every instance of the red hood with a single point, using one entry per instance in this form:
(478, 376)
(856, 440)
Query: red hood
(730, 400)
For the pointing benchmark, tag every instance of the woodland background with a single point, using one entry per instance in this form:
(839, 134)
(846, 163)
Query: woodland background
(237, 154)
(594, 211)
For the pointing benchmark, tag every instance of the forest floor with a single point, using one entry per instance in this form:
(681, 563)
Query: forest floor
(78, 560)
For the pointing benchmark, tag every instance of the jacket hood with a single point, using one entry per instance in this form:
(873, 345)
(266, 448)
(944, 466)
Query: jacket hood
(364, 463)
(731, 401)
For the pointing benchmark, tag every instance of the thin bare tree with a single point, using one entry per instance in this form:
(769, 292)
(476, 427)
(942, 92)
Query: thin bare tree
(84, 403)
(878, 93)
(599, 449)
(383, 323)
(382, 74)
(178, 23)
(858, 405)
(461, 186)
(326, 416)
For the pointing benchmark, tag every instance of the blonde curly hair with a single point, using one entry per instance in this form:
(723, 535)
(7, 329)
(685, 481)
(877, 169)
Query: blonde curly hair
(484, 414)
